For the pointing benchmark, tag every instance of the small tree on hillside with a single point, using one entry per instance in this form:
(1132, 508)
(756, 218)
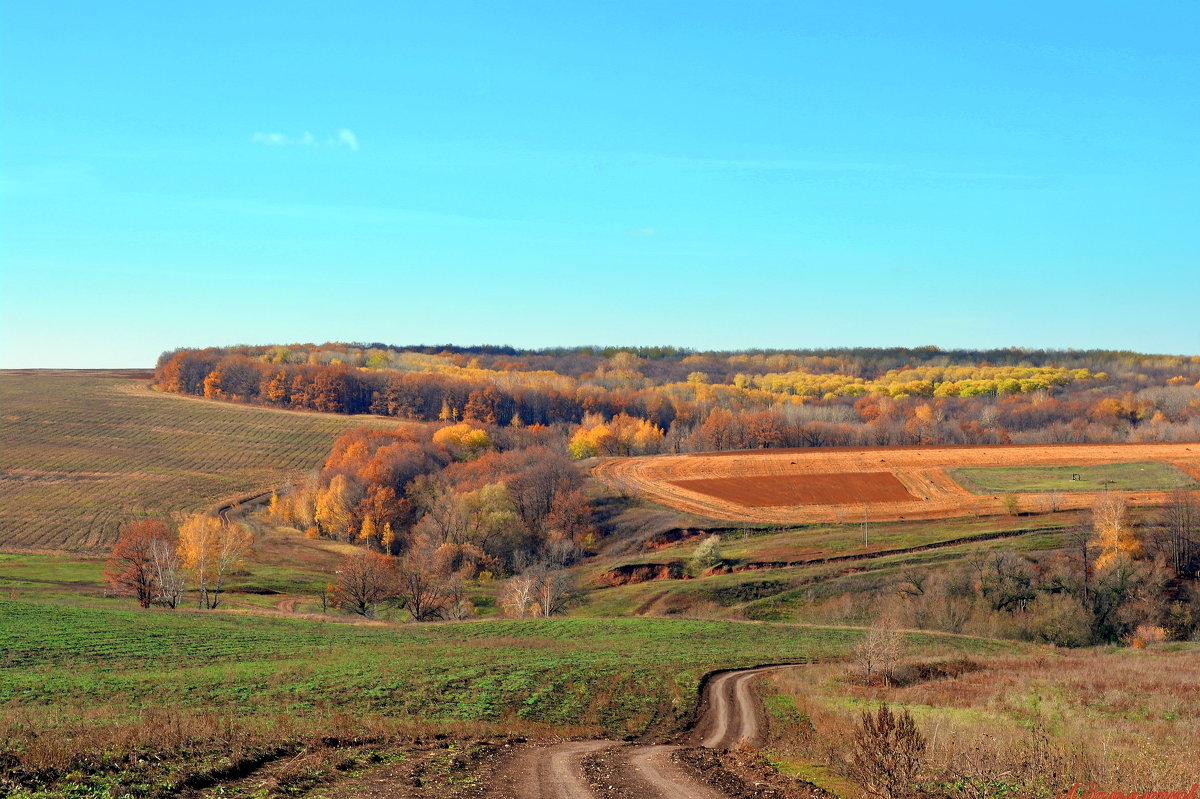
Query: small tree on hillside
(364, 580)
(538, 591)
(168, 571)
(1114, 530)
(706, 556)
(879, 651)
(131, 567)
(209, 549)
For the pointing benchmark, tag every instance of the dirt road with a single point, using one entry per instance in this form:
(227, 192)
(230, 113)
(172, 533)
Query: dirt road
(729, 714)
(732, 712)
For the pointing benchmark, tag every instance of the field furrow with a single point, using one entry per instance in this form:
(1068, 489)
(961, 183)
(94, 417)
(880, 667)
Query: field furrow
(82, 452)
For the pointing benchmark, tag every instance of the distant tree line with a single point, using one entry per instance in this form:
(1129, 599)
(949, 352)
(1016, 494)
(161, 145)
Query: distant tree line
(671, 401)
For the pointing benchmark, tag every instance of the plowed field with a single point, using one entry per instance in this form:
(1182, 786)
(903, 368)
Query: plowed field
(816, 485)
(846, 488)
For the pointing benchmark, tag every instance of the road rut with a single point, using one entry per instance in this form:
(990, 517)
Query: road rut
(730, 714)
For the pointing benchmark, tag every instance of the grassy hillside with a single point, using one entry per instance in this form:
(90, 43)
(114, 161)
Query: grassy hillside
(1005, 726)
(166, 695)
(782, 594)
(81, 452)
(612, 674)
(1150, 476)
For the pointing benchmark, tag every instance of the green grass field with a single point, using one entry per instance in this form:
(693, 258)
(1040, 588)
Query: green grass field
(616, 675)
(100, 702)
(1038, 479)
(80, 453)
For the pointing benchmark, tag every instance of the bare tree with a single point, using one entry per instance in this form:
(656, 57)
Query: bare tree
(167, 567)
(519, 595)
(458, 604)
(1007, 582)
(423, 593)
(879, 651)
(1079, 543)
(557, 589)
(364, 580)
(539, 591)
(1180, 525)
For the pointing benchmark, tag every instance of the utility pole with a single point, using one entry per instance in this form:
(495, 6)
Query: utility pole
(864, 525)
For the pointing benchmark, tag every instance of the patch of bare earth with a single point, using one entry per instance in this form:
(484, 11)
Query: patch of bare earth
(846, 488)
(430, 768)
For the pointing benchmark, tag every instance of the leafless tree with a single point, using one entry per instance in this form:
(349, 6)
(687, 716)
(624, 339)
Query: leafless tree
(167, 567)
(1178, 532)
(539, 591)
(423, 592)
(519, 595)
(879, 651)
(366, 579)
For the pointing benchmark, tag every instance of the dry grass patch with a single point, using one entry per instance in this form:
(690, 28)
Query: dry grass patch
(1016, 726)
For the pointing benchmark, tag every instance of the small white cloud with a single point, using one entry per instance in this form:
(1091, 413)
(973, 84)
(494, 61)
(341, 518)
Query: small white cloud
(644, 231)
(344, 138)
(270, 139)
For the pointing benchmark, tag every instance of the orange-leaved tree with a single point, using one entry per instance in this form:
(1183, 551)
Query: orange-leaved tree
(134, 566)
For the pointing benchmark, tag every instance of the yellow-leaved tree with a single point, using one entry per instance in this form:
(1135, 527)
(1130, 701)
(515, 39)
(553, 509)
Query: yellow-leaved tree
(333, 506)
(622, 435)
(1113, 530)
(463, 441)
(210, 549)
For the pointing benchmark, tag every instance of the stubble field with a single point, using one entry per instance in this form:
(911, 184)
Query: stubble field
(81, 452)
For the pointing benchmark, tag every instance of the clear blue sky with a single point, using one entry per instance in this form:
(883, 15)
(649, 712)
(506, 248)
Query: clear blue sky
(706, 174)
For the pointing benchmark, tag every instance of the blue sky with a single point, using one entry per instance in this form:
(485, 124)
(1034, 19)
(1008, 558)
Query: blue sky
(705, 174)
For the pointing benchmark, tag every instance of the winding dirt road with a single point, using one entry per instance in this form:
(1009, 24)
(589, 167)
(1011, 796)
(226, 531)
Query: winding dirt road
(732, 711)
(730, 714)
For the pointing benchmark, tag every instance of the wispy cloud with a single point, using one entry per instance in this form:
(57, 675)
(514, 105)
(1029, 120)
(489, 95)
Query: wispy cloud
(343, 138)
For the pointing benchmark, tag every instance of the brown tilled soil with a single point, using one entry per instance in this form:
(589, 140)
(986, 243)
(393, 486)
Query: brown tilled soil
(435, 768)
(920, 470)
(846, 488)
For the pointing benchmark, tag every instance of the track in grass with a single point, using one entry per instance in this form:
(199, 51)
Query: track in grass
(82, 452)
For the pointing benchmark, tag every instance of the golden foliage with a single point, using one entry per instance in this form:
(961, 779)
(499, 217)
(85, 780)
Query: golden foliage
(463, 441)
(1113, 531)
